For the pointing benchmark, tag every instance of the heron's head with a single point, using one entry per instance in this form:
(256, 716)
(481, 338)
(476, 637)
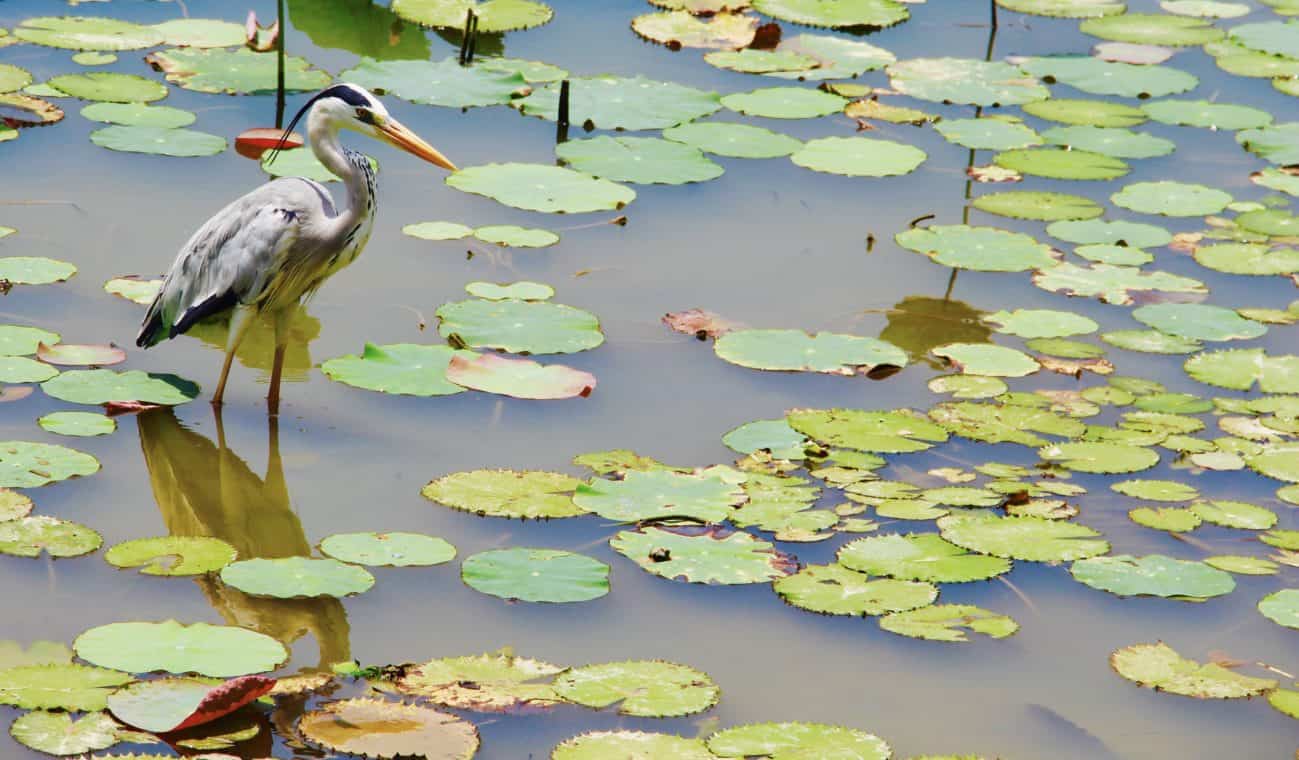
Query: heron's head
(349, 106)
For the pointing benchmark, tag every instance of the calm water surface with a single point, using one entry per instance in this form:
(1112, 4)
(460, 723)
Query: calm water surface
(768, 244)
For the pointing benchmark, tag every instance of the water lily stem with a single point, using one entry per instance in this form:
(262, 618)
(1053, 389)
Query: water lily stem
(561, 117)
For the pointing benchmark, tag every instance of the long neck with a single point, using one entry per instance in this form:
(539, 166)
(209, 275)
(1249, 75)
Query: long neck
(349, 166)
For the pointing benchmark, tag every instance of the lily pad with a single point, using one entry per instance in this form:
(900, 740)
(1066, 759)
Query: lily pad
(680, 28)
(87, 33)
(1235, 514)
(1092, 75)
(595, 745)
(1248, 258)
(641, 688)
(1151, 342)
(77, 423)
(659, 494)
(60, 734)
(439, 83)
(1207, 114)
(493, 15)
(160, 141)
(1062, 164)
(29, 465)
(1110, 141)
(484, 683)
(968, 386)
(108, 86)
(785, 103)
(859, 156)
(13, 78)
(639, 160)
(513, 236)
(13, 505)
(378, 728)
(1066, 8)
(1281, 607)
(1041, 323)
(836, 14)
(1112, 284)
(985, 249)
(836, 590)
(1196, 321)
(20, 369)
(754, 61)
(519, 378)
(1278, 460)
(1032, 539)
(1153, 29)
(388, 549)
(1122, 233)
(30, 536)
(1278, 143)
(1040, 206)
(1171, 519)
(1088, 113)
(798, 351)
(438, 230)
(840, 58)
(536, 575)
(59, 686)
(733, 140)
(80, 355)
(201, 32)
(774, 436)
(102, 386)
(988, 359)
(507, 493)
(703, 555)
(34, 270)
(1242, 565)
(949, 622)
(1100, 457)
(610, 102)
(1171, 199)
(1239, 369)
(1152, 575)
(296, 577)
(300, 162)
(172, 555)
(920, 557)
(893, 431)
(987, 133)
(534, 187)
(794, 741)
(210, 650)
(403, 368)
(1159, 667)
(173, 704)
(1205, 8)
(1156, 490)
(17, 340)
(233, 72)
(965, 81)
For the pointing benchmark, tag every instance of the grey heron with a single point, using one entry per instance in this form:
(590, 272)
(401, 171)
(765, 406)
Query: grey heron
(266, 251)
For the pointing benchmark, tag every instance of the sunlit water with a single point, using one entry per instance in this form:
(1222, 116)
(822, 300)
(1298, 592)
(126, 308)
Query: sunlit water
(769, 244)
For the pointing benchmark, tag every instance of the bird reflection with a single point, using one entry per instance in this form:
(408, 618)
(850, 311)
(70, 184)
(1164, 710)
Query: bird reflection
(920, 323)
(258, 347)
(206, 489)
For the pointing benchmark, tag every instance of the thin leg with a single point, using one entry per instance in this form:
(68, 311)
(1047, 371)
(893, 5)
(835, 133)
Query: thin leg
(282, 322)
(240, 321)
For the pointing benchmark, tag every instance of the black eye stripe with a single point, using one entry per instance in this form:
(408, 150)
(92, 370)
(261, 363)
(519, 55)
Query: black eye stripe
(347, 94)
(366, 115)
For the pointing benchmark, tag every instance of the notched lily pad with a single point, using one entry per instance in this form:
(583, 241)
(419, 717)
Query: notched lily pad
(1161, 668)
(920, 557)
(484, 683)
(641, 688)
(836, 590)
(534, 187)
(792, 741)
(507, 493)
(403, 368)
(949, 622)
(32, 535)
(210, 650)
(1152, 575)
(378, 728)
(396, 549)
(985, 249)
(172, 555)
(712, 555)
(799, 351)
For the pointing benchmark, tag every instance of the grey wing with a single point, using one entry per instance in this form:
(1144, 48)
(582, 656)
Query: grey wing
(233, 256)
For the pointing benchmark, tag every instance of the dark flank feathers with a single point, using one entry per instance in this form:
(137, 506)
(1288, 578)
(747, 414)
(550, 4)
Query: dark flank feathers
(153, 331)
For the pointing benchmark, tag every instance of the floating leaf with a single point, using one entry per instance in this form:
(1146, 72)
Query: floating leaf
(233, 72)
(965, 81)
(507, 493)
(1099, 77)
(1089, 456)
(733, 140)
(703, 555)
(34, 270)
(376, 728)
(438, 230)
(201, 32)
(895, 431)
(1207, 114)
(1171, 199)
(77, 423)
(17, 340)
(919, 557)
(439, 83)
(985, 249)
(484, 683)
(1152, 575)
(29, 465)
(798, 351)
(1132, 52)
(1198, 321)
(174, 704)
(1045, 207)
(1110, 141)
(774, 436)
(642, 688)
(1156, 490)
(610, 102)
(948, 622)
(211, 650)
(1235, 514)
(536, 575)
(1278, 460)
(493, 15)
(835, 590)
(388, 549)
(659, 494)
(519, 378)
(13, 78)
(1065, 8)
(679, 28)
(73, 354)
(1248, 258)
(1281, 607)
(535, 187)
(987, 133)
(632, 744)
(639, 160)
(836, 14)
(840, 58)
(968, 386)
(1041, 323)
(785, 103)
(1152, 29)
(513, 236)
(403, 368)
(791, 741)
(1062, 164)
(1032, 539)
(1240, 368)
(13, 505)
(859, 156)
(1111, 284)
(754, 61)
(1171, 519)
(1278, 143)
(59, 687)
(1159, 667)
(102, 386)
(988, 359)
(27, 111)
(20, 369)
(161, 141)
(296, 577)
(59, 734)
(299, 162)
(172, 555)
(29, 536)
(700, 323)
(1091, 113)
(1205, 8)
(1242, 565)
(109, 87)
(87, 33)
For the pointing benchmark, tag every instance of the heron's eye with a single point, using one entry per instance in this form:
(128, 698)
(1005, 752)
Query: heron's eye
(367, 116)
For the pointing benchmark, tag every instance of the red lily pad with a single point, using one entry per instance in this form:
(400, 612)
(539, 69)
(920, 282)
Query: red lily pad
(252, 143)
(80, 355)
(520, 378)
(173, 704)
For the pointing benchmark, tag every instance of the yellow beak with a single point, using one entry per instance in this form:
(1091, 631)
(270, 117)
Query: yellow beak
(396, 134)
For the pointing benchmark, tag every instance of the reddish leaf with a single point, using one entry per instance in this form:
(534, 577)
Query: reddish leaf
(700, 323)
(252, 143)
(767, 37)
(227, 698)
(520, 378)
(15, 393)
(117, 408)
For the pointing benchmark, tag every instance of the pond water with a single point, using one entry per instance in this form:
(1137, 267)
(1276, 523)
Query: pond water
(768, 244)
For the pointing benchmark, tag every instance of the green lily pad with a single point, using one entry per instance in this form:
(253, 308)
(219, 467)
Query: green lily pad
(634, 103)
(1241, 368)
(1099, 231)
(1041, 323)
(639, 160)
(201, 32)
(1205, 8)
(1234, 58)
(1111, 284)
(712, 555)
(1171, 199)
(403, 368)
(1195, 321)
(984, 249)
(493, 15)
(859, 157)
(968, 386)
(642, 688)
(507, 493)
(681, 28)
(836, 590)
(438, 230)
(797, 741)
(1109, 141)
(1118, 255)
(733, 140)
(233, 72)
(774, 436)
(1086, 113)
(484, 683)
(596, 745)
(1277, 179)
(13, 505)
(296, 577)
(87, 33)
(92, 58)
(894, 431)
(840, 58)
(835, 14)
(13, 78)
(1271, 37)
(1092, 75)
(1152, 575)
(160, 141)
(920, 557)
(111, 87)
(101, 386)
(1151, 342)
(172, 555)
(965, 81)
(522, 290)
(785, 103)
(17, 340)
(59, 687)
(514, 236)
(536, 575)
(29, 465)
(534, 187)
(211, 650)
(1235, 514)
(379, 728)
(1275, 222)
(170, 704)
(20, 369)
(1278, 143)
(798, 351)
(1040, 206)
(1062, 164)
(1003, 424)
(1277, 460)
(29, 536)
(388, 549)
(439, 83)
(658, 494)
(754, 61)
(987, 133)
(1207, 114)
(34, 270)
(1171, 519)
(1100, 457)
(77, 423)
(948, 622)
(988, 359)
(300, 162)
(533, 72)
(1032, 539)
(1248, 258)
(1156, 490)
(1242, 565)
(520, 326)
(1281, 539)
(1153, 29)
(1065, 8)
(1281, 607)
(1159, 667)
(59, 734)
